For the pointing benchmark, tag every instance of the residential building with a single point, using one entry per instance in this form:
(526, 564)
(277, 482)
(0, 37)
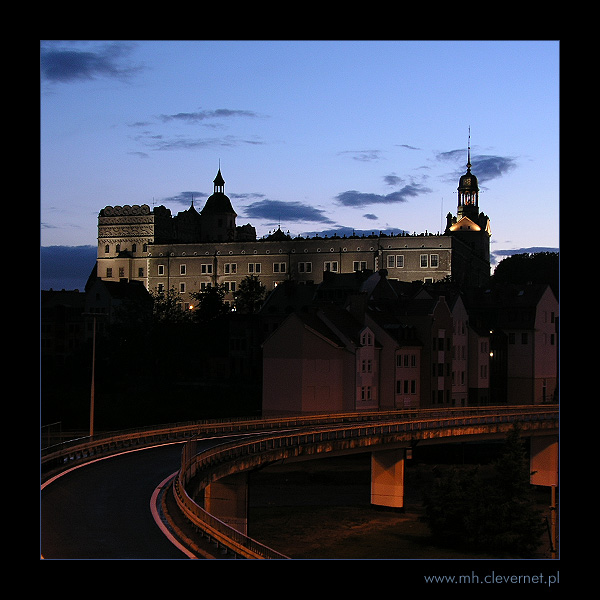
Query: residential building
(522, 321)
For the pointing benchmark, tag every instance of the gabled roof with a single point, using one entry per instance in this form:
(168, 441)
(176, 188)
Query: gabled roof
(465, 224)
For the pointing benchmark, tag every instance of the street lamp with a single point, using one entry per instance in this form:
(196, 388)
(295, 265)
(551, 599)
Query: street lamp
(93, 387)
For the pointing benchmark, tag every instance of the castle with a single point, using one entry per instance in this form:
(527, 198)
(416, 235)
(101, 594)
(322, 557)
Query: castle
(195, 250)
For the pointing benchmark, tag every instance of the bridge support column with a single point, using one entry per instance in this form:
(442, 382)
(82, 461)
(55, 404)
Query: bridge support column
(387, 478)
(227, 500)
(544, 460)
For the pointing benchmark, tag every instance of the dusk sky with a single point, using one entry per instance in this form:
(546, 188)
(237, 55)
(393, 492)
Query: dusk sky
(318, 136)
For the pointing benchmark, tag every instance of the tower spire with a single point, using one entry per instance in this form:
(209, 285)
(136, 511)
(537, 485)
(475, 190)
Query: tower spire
(469, 151)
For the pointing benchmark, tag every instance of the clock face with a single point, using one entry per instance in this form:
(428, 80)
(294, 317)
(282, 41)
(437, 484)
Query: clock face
(467, 181)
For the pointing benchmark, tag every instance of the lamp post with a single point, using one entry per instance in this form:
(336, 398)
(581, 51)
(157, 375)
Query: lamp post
(93, 386)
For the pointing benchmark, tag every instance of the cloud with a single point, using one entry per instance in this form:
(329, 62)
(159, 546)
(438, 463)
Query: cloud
(485, 166)
(194, 117)
(492, 167)
(163, 143)
(246, 196)
(275, 210)
(166, 142)
(354, 198)
(393, 180)
(363, 155)
(65, 65)
(185, 198)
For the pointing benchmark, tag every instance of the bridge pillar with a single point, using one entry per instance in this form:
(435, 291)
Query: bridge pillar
(227, 500)
(544, 460)
(387, 478)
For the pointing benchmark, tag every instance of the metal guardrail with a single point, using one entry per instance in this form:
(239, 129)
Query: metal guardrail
(204, 466)
(67, 454)
(60, 457)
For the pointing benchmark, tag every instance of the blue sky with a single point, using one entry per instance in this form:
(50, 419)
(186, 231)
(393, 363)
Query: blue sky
(314, 135)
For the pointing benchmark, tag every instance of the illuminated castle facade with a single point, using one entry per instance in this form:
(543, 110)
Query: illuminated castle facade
(195, 250)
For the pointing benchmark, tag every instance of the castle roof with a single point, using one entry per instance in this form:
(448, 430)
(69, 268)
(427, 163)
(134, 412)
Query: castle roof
(218, 202)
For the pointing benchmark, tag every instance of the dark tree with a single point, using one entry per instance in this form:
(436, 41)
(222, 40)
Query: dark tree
(538, 267)
(492, 512)
(250, 295)
(210, 304)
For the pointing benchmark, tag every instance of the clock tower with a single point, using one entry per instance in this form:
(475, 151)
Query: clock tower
(468, 192)
(470, 226)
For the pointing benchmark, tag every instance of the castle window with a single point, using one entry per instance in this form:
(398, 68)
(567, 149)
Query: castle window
(434, 260)
(254, 268)
(391, 261)
(182, 288)
(424, 260)
(134, 247)
(109, 272)
(206, 269)
(230, 268)
(161, 269)
(182, 269)
(400, 261)
(359, 265)
(279, 267)
(331, 266)
(106, 249)
(305, 267)
(141, 272)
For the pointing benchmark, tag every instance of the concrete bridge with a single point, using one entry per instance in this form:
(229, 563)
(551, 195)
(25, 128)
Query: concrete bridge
(211, 488)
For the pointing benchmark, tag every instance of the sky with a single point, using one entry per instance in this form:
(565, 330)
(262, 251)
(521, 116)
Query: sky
(310, 136)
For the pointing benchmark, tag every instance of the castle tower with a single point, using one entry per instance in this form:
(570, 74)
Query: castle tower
(468, 192)
(471, 226)
(218, 216)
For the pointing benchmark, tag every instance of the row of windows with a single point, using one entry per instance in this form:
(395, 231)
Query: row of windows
(396, 261)
(303, 267)
(406, 360)
(406, 386)
(393, 261)
(118, 248)
(229, 286)
(255, 268)
(121, 271)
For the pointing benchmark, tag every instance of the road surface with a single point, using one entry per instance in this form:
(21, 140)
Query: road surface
(103, 510)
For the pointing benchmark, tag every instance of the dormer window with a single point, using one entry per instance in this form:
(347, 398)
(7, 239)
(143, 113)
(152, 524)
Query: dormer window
(366, 339)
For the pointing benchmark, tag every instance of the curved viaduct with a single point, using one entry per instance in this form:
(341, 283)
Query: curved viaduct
(209, 491)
